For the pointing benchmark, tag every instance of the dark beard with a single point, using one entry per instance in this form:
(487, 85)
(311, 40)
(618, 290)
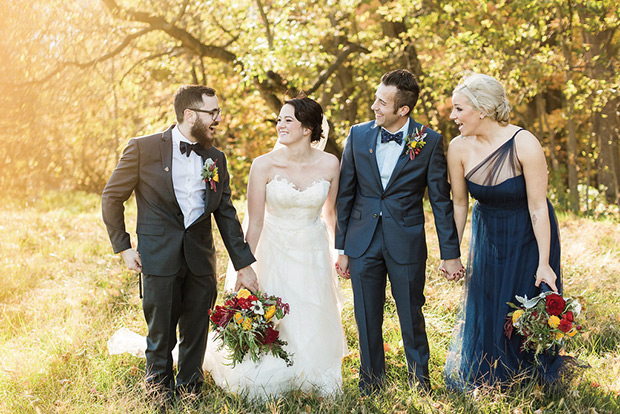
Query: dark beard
(199, 132)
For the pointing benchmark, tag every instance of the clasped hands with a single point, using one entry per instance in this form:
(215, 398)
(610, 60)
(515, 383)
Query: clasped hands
(452, 269)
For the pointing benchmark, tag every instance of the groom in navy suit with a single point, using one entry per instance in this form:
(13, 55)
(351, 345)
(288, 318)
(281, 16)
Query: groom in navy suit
(176, 252)
(380, 231)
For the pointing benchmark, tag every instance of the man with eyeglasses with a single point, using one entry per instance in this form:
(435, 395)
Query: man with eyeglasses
(176, 252)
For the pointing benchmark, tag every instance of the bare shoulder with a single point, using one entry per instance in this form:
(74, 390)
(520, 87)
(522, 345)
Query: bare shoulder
(458, 147)
(527, 144)
(457, 142)
(262, 165)
(330, 160)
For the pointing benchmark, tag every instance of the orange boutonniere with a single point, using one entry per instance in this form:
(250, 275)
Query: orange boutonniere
(210, 173)
(415, 142)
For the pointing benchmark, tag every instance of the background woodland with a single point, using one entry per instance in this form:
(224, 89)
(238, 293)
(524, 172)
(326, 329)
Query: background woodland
(79, 78)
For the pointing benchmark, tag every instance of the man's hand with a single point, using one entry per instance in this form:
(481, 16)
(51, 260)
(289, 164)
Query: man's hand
(342, 266)
(452, 269)
(132, 260)
(246, 278)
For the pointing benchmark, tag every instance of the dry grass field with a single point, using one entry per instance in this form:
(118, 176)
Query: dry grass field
(63, 294)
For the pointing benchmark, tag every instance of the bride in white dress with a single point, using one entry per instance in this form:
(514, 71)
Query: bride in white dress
(288, 189)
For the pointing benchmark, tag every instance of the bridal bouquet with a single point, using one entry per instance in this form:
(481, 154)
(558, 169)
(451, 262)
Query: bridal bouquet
(544, 321)
(246, 325)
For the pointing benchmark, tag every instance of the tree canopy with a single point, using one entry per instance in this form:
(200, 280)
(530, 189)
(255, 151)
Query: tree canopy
(79, 78)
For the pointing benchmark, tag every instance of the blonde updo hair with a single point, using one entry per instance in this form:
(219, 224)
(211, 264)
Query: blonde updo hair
(487, 95)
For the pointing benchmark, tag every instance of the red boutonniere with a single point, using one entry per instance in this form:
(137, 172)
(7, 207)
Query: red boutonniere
(210, 173)
(415, 142)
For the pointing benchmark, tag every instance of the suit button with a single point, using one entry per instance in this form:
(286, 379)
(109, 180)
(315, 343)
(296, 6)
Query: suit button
(382, 197)
(375, 215)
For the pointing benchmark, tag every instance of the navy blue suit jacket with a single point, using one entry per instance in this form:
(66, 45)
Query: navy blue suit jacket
(361, 198)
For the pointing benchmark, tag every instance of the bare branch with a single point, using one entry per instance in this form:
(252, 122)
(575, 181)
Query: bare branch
(263, 15)
(181, 13)
(146, 59)
(188, 41)
(61, 66)
(342, 56)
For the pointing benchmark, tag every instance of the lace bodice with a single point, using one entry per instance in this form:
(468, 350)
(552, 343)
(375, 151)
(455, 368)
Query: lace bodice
(285, 201)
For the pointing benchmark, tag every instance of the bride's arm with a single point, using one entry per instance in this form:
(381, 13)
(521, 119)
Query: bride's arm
(329, 208)
(256, 200)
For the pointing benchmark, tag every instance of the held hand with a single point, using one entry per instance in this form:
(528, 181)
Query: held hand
(452, 269)
(132, 260)
(545, 273)
(246, 278)
(342, 266)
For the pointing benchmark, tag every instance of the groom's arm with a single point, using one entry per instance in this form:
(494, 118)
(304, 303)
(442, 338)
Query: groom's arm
(118, 189)
(439, 196)
(346, 192)
(229, 226)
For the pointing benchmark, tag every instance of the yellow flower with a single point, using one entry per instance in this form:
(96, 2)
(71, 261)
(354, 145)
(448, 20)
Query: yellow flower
(558, 336)
(238, 318)
(270, 312)
(572, 332)
(216, 178)
(516, 315)
(553, 321)
(243, 293)
(247, 324)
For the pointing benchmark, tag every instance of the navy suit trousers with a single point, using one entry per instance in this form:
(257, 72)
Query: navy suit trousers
(369, 275)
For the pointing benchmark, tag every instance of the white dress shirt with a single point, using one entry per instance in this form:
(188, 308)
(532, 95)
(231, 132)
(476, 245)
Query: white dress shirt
(189, 188)
(388, 154)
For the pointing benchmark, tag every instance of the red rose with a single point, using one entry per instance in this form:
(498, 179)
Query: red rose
(565, 325)
(270, 336)
(569, 316)
(244, 303)
(252, 298)
(555, 304)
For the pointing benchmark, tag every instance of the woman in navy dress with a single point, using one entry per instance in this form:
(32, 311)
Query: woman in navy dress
(515, 246)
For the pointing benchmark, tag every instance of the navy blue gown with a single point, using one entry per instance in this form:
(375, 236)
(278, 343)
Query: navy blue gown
(503, 259)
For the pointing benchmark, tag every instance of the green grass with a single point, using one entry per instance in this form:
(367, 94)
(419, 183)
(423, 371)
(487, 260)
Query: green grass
(63, 294)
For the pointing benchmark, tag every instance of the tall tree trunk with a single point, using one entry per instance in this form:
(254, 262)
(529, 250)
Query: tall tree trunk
(607, 138)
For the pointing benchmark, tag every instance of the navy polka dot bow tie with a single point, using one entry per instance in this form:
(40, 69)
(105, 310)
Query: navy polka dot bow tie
(387, 137)
(187, 148)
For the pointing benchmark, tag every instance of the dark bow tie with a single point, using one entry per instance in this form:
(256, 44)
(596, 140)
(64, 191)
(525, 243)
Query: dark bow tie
(187, 148)
(387, 137)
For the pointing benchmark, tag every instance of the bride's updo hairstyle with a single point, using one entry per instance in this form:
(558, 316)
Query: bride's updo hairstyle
(487, 95)
(309, 113)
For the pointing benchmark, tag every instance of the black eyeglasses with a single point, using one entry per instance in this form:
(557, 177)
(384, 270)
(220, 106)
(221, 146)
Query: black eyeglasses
(213, 112)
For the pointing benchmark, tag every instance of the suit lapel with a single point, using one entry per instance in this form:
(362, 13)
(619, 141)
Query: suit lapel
(165, 148)
(211, 153)
(371, 143)
(403, 158)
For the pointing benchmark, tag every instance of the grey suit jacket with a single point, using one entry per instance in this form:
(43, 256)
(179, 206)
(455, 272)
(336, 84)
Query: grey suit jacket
(146, 169)
(361, 198)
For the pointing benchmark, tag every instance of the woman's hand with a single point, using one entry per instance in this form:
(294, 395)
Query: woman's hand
(545, 273)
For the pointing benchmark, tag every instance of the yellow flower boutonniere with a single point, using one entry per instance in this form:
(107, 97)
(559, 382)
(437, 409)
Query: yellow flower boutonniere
(415, 142)
(210, 173)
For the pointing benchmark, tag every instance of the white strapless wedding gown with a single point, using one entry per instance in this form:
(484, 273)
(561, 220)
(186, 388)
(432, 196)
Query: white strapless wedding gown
(294, 262)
